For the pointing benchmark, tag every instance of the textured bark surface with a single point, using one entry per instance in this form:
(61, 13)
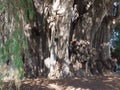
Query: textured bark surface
(66, 37)
(52, 44)
(93, 26)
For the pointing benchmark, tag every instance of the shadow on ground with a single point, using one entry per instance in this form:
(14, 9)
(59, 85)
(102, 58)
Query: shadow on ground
(93, 83)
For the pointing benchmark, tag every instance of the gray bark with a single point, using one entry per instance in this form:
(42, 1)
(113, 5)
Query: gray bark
(68, 37)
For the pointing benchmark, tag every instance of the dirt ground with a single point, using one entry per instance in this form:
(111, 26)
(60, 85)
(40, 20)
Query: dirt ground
(92, 83)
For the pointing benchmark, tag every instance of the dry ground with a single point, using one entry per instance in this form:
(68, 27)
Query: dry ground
(93, 83)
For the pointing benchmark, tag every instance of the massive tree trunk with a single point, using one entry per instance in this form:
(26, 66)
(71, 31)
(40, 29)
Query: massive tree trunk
(74, 37)
(59, 27)
(52, 44)
(90, 36)
(67, 37)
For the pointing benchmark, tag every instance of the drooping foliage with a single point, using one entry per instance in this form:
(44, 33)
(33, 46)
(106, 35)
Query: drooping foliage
(70, 48)
(12, 40)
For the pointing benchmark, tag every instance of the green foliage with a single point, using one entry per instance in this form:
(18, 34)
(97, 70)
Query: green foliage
(13, 50)
(27, 7)
(15, 44)
(16, 5)
(2, 5)
(116, 42)
(1, 82)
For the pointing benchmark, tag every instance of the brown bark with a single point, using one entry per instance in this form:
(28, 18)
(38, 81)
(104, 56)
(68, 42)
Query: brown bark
(94, 26)
(86, 45)
(68, 37)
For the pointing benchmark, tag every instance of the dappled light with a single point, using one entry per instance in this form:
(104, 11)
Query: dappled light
(59, 45)
(94, 83)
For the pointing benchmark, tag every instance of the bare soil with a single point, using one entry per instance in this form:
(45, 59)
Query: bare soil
(91, 83)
